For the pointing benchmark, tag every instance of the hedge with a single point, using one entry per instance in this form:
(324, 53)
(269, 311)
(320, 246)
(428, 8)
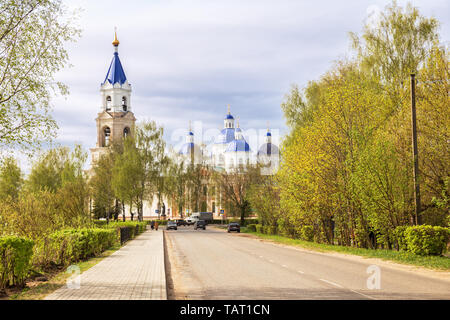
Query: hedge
(72, 245)
(251, 227)
(15, 260)
(400, 238)
(427, 240)
(307, 233)
(259, 228)
(271, 230)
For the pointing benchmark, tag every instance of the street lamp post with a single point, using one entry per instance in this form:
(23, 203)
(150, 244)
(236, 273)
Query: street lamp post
(415, 150)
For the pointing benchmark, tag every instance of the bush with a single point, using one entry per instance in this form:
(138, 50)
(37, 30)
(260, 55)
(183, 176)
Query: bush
(251, 227)
(15, 258)
(427, 240)
(271, 230)
(71, 245)
(307, 233)
(400, 238)
(259, 228)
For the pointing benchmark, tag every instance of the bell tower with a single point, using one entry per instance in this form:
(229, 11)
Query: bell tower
(115, 119)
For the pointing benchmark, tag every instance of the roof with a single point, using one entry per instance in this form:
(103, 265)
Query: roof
(238, 145)
(225, 136)
(229, 116)
(115, 72)
(268, 149)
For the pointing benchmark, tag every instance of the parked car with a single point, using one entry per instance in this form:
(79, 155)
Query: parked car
(234, 226)
(181, 222)
(171, 225)
(200, 224)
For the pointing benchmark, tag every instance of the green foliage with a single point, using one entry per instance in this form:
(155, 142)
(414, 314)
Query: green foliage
(259, 228)
(71, 245)
(271, 230)
(10, 179)
(400, 238)
(346, 168)
(427, 240)
(32, 38)
(251, 227)
(307, 233)
(15, 258)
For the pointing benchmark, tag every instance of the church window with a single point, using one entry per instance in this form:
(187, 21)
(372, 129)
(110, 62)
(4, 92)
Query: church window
(126, 132)
(106, 136)
(124, 104)
(108, 103)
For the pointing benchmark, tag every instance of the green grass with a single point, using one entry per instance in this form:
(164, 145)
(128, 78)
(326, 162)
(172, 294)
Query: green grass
(431, 262)
(56, 281)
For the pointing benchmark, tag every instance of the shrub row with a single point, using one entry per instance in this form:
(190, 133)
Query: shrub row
(306, 232)
(422, 240)
(15, 258)
(71, 245)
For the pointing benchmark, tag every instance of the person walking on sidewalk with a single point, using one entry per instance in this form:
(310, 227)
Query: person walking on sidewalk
(152, 224)
(156, 225)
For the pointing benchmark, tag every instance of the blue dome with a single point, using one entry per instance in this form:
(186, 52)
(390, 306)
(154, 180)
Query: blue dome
(187, 148)
(238, 129)
(225, 136)
(268, 134)
(190, 133)
(238, 145)
(268, 149)
(229, 116)
(115, 72)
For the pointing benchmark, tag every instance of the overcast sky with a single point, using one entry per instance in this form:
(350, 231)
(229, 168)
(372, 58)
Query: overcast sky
(186, 60)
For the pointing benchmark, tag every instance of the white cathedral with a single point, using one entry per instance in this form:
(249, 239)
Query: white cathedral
(229, 149)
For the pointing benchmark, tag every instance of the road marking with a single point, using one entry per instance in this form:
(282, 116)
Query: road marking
(332, 283)
(364, 295)
(299, 271)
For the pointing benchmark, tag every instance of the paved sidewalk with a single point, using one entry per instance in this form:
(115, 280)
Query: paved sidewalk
(134, 272)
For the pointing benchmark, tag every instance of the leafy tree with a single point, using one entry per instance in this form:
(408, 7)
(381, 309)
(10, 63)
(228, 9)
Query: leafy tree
(235, 185)
(154, 162)
(32, 37)
(101, 186)
(176, 183)
(127, 174)
(11, 179)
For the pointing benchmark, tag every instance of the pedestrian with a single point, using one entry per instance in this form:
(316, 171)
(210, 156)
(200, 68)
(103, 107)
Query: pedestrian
(152, 224)
(156, 225)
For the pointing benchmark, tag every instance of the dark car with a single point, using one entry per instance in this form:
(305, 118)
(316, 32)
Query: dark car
(234, 226)
(171, 225)
(200, 224)
(181, 222)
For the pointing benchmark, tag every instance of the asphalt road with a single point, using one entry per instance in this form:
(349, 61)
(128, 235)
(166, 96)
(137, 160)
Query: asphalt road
(214, 264)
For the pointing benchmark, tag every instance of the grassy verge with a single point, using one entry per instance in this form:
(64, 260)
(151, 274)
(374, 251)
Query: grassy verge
(57, 280)
(431, 262)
